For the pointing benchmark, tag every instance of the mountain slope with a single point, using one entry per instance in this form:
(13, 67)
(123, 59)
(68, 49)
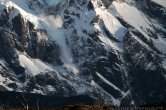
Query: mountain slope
(114, 51)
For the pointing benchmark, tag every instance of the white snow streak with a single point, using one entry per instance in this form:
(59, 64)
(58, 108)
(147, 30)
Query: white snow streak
(160, 2)
(109, 83)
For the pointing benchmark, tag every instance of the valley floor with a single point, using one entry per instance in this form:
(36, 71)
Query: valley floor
(93, 107)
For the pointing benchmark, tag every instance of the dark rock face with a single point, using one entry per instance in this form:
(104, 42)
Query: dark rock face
(146, 84)
(107, 3)
(19, 35)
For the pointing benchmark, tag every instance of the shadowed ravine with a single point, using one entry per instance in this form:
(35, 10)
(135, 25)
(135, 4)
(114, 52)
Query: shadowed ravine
(29, 101)
(21, 100)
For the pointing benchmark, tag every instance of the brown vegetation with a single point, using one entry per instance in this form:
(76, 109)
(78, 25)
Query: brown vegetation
(69, 107)
(158, 106)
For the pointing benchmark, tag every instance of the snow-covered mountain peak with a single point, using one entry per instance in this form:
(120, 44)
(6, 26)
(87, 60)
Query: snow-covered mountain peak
(113, 51)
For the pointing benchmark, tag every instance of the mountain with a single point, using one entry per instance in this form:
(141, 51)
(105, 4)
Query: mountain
(111, 50)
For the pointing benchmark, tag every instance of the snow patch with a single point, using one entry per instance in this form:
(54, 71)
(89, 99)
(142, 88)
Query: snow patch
(111, 23)
(82, 89)
(2, 62)
(33, 66)
(164, 64)
(160, 2)
(53, 2)
(93, 83)
(150, 66)
(24, 10)
(29, 65)
(2, 6)
(55, 22)
(37, 91)
(4, 81)
(160, 43)
(51, 88)
(13, 14)
(132, 16)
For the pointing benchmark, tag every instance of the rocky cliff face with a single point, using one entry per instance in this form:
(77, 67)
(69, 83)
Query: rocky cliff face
(113, 51)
